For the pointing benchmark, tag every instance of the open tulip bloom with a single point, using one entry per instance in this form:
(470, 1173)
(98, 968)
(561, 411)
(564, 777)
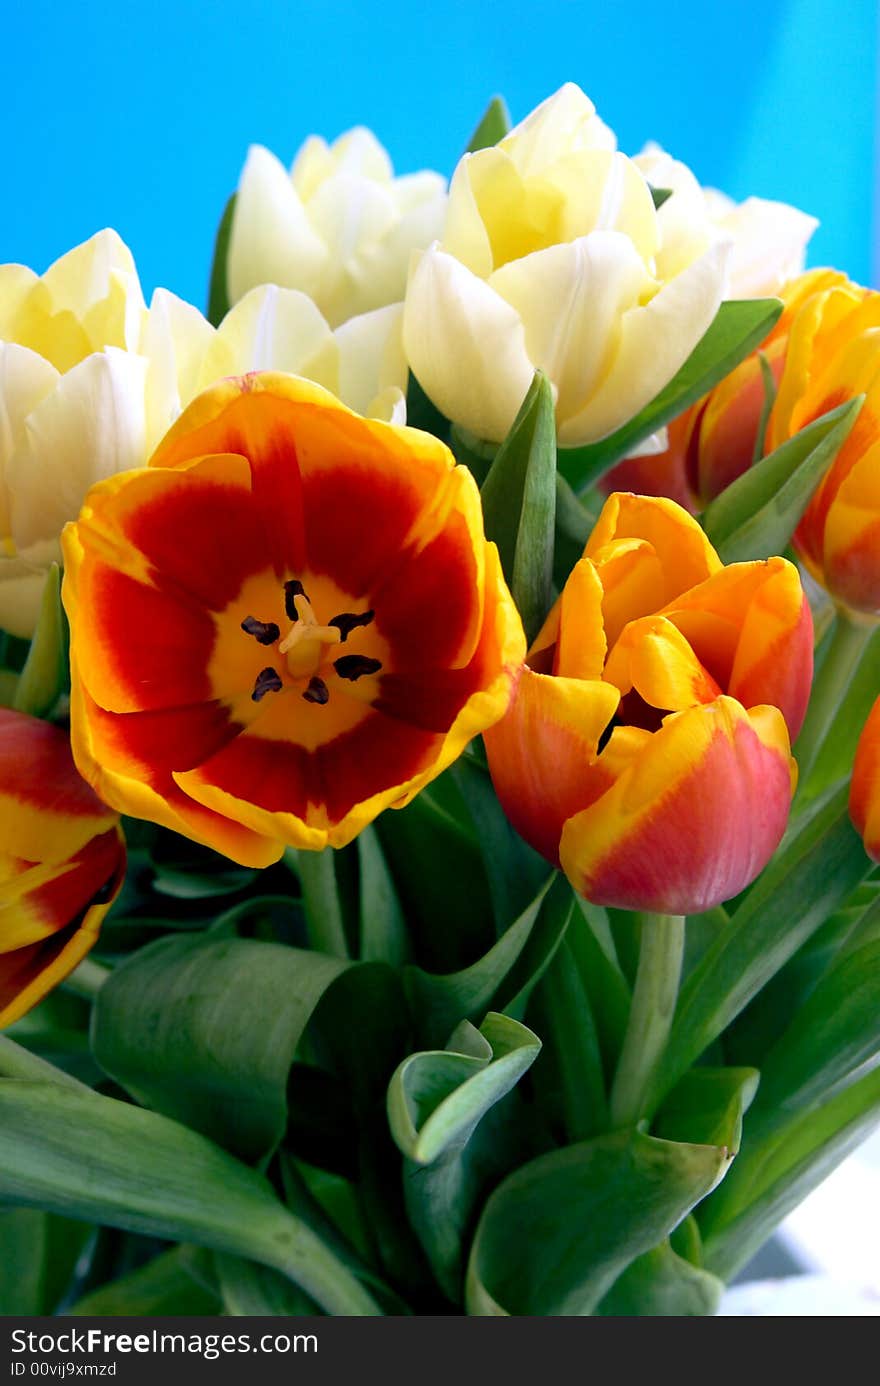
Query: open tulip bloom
(440, 691)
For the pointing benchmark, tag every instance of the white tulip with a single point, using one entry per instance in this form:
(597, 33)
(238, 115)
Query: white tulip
(339, 226)
(548, 260)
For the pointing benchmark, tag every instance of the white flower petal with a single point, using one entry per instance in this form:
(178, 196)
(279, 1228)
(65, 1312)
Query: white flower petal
(465, 345)
(464, 234)
(91, 425)
(571, 299)
(770, 245)
(371, 359)
(16, 283)
(21, 587)
(389, 406)
(175, 341)
(25, 379)
(273, 329)
(655, 341)
(271, 241)
(566, 120)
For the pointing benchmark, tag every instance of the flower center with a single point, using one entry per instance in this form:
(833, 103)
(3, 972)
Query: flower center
(306, 647)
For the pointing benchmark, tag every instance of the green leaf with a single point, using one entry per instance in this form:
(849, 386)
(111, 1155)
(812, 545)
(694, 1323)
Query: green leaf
(45, 676)
(662, 1283)
(558, 1233)
(436, 1098)
(706, 1107)
(205, 1031)
(514, 870)
(773, 1175)
(659, 196)
(421, 412)
(569, 1077)
(739, 326)
(249, 1289)
(759, 512)
(162, 1288)
(592, 946)
(440, 1002)
(382, 925)
(769, 382)
(835, 1030)
(575, 521)
(40, 1252)
(519, 504)
(218, 292)
(91, 1157)
(818, 863)
(438, 1105)
(493, 126)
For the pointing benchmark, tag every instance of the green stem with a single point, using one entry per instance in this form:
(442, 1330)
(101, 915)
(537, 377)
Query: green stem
(323, 908)
(835, 704)
(87, 979)
(650, 1016)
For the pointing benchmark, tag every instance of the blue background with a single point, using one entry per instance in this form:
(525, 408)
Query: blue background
(139, 115)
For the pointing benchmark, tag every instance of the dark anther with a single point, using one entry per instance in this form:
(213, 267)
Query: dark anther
(264, 632)
(348, 621)
(293, 588)
(317, 692)
(354, 666)
(268, 681)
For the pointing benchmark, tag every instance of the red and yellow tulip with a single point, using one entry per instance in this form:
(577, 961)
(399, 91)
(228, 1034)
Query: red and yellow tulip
(61, 866)
(864, 799)
(289, 622)
(647, 749)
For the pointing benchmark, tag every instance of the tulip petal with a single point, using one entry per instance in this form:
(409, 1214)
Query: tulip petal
(176, 340)
(567, 119)
(571, 299)
(864, 801)
(554, 722)
(655, 341)
(654, 658)
(465, 345)
(692, 819)
(25, 380)
(271, 241)
(371, 359)
(90, 426)
(273, 329)
(769, 245)
(851, 550)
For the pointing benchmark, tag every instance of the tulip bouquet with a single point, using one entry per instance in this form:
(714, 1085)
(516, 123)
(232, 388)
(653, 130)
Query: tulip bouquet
(409, 705)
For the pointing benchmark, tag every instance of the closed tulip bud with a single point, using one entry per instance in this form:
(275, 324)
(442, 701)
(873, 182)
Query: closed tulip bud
(61, 867)
(864, 799)
(339, 226)
(646, 750)
(548, 260)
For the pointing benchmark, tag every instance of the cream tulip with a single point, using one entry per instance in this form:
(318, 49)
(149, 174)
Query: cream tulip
(769, 239)
(90, 380)
(339, 226)
(548, 259)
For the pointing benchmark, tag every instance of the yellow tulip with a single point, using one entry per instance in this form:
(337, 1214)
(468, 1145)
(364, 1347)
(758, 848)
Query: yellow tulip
(339, 226)
(90, 380)
(548, 259)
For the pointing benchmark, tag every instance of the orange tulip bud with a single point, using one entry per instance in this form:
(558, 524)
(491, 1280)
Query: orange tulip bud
(61, 867)
(290, 621)
(647, 748)
(864, 799)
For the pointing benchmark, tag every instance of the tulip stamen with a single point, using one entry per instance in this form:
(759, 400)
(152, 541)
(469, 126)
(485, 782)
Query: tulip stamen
(355, 666)
(317, 692)
(293, 588)
(347, 621)
(268, 681)
(264, 632)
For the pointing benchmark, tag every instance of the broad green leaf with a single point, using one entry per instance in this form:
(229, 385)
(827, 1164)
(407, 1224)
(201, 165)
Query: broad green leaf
(382, 924)
(844, 689)
(575, 520)
(836, 1029)
(360, 1030)
(819, 862)
(91, 1157)
(502, 978)
(659, 196)
(706, 1107)
(513, 869)
(421, 412)
(592, 946)
(40, 1251)
(250, 1290)
(769, 382)
(559, 1232)
(662, 1283)
(205, 1031)
(493, 126)
(18, 1062)
(519, 504)
(739, 326)
(218, 292)
(44, 676)
(758, 513)
(772, 1176)
(569, 1077)
(162, 1288)
(438, 1105)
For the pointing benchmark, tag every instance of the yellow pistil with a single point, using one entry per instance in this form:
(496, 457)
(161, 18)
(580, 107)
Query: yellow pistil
(305, 642)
